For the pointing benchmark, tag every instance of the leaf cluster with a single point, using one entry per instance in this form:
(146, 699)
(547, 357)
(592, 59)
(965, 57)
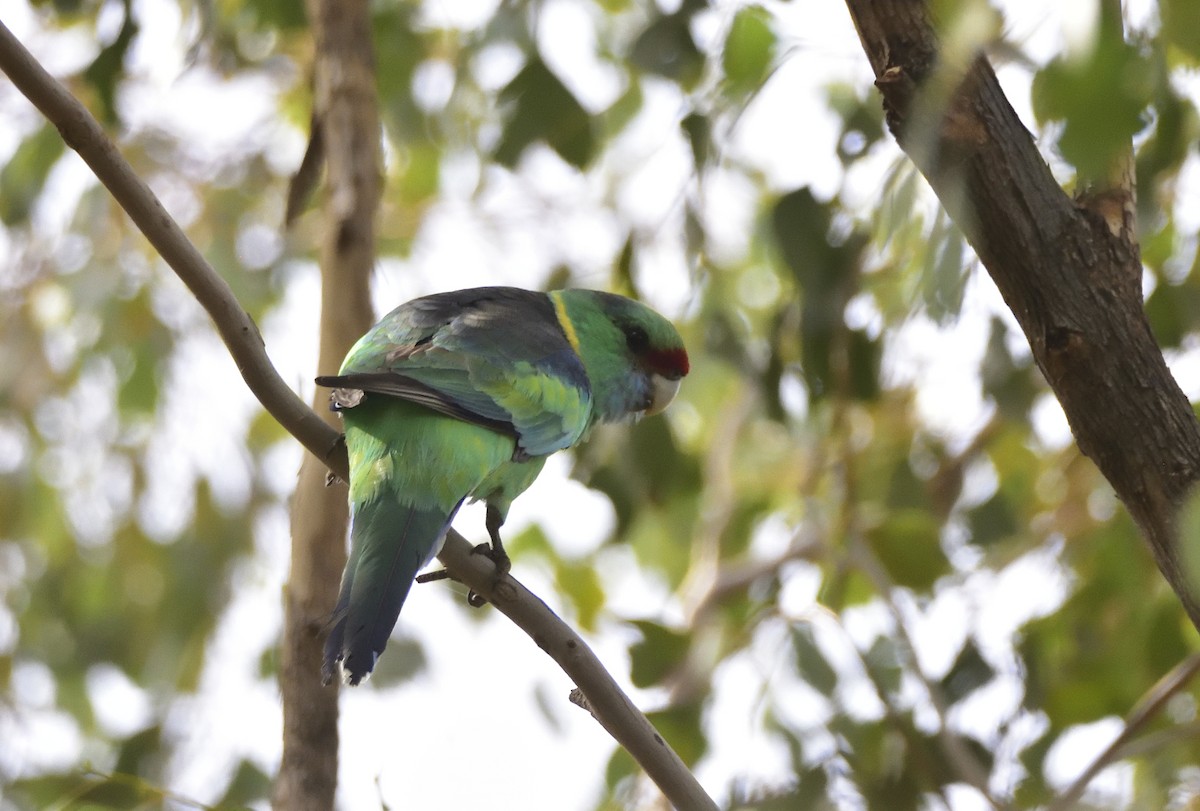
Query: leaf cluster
(895, 608)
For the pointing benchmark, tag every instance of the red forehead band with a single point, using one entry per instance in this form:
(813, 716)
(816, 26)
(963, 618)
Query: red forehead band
(671, 363)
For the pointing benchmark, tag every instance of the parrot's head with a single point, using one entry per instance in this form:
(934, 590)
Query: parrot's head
(634, 357)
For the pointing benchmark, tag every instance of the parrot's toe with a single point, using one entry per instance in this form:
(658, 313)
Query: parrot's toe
(496, 555)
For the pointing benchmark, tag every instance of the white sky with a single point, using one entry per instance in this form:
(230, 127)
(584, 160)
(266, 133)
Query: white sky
(473, 712)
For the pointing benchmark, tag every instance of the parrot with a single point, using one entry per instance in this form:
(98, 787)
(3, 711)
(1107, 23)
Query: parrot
(461, 396)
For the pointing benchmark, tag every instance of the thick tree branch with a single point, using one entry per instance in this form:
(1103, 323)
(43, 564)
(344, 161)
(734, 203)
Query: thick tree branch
(1073, 283)
(611, 706)
(346, 124)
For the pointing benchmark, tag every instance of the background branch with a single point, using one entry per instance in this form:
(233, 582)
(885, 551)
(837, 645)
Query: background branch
(345, 123)
(610, 705)
(1143, 712)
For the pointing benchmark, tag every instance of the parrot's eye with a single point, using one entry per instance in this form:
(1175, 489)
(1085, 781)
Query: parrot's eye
(636, 339)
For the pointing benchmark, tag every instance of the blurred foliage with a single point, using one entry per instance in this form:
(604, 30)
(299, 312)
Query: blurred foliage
(912, 603)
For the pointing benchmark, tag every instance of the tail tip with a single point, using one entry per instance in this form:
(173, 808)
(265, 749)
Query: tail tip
(346, 669)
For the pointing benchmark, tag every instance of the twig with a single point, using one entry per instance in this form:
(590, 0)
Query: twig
(1143, 712)
(612, 707)
(952, 745)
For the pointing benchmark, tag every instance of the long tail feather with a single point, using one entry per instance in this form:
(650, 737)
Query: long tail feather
(389, 543)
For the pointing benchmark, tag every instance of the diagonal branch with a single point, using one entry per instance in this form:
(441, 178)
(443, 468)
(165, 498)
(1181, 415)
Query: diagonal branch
(1147, 708)
(611, 706)
(1073, 284)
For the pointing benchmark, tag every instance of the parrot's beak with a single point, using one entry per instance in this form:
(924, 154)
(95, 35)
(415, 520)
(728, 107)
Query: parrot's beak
(662, 392)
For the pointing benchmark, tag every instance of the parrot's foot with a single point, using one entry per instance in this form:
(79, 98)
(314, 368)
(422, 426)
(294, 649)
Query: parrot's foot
(495, 520)
(496, 554)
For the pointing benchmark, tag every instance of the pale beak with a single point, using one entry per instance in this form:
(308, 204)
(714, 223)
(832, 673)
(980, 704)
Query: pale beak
(662, 392)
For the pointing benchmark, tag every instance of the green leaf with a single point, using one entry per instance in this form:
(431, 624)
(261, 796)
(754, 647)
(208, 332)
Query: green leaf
(749, 49)
(621, 766)
(138, 749)
(660, 651)
(827, 276)
(666, 48)
(531, 541)
(680, 727)
(1174, 311)
(537, 106)
(279, 14)
(862, 120)
(405, 658)
(1007, 381)
(992, 521)
(668, 472)
(1181, 26)
(907, 544)
(1100, 96)
(698, 129)
(864, 355)
(393, 30)
(800, 224)
(968, 673)
(107, 70)
(22, 178)
(945, 277)
(580, 583)
(883, 664)
(811, 663)
(249, 785)
(420, 175)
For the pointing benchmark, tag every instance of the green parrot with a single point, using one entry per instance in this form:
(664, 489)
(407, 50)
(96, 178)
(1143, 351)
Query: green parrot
(463, 395)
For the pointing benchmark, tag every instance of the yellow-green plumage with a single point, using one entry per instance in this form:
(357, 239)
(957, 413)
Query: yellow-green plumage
(462, 396)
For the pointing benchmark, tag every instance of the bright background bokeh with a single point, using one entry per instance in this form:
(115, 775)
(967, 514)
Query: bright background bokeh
(143, 518)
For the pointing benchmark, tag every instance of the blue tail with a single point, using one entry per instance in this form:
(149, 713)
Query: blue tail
(389, 543)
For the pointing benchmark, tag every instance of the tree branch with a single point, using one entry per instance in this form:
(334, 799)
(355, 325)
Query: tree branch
(345, 124)
(1073, 284)
(1147, 708)
(611, 706)
(958, 755)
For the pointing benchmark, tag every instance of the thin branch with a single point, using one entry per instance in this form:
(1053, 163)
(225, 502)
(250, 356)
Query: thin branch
(235, 326)
(957, 753)
(604, 698)
(955, 750)
(615, 711)
(1148, 706)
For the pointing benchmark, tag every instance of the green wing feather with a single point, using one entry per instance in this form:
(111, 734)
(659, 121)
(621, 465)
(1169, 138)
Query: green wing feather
(498, 358)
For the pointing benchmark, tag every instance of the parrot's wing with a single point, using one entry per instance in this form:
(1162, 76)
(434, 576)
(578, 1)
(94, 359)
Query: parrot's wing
(394, 384)
(494, 356)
